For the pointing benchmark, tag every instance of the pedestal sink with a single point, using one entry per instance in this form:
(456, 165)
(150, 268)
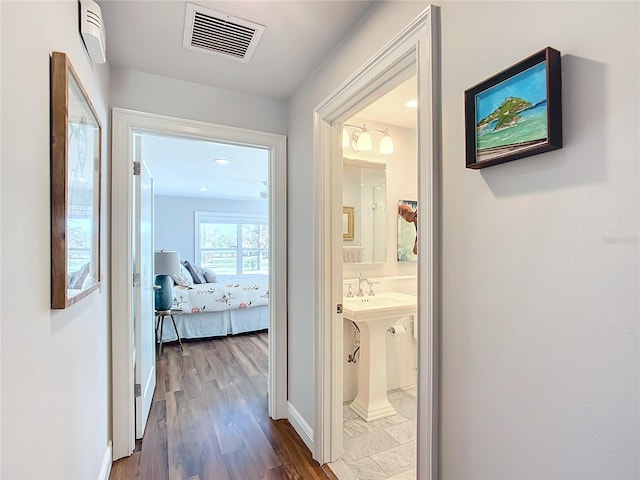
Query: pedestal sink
(374, 315)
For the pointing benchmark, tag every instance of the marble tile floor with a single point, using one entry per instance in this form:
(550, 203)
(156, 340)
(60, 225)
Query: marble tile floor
(384, 449)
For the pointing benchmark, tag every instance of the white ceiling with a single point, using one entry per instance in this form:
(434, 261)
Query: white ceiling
(146, 35)
(182, 167)
(392, 108)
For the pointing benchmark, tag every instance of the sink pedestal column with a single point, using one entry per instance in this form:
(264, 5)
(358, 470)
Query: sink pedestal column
(372, 403)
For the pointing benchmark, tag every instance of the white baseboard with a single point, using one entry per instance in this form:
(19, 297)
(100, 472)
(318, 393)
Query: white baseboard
(299, 425)
(107, 460)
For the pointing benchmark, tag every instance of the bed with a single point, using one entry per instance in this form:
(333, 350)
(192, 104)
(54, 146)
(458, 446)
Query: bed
(233, 304)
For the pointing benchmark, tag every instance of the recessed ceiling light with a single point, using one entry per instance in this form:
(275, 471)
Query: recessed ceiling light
(412, 104)
(203, 189)
(221, 161)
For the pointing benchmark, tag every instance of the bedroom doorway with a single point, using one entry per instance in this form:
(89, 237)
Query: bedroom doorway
(211, 206)
(259, 246)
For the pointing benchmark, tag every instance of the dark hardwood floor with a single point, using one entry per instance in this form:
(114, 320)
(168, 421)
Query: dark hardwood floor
(209, 419)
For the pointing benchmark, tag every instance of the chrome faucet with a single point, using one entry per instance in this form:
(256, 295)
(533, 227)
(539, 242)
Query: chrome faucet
(360, 280)
(350, 292)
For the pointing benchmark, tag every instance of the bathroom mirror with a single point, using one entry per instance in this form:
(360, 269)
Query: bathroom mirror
(365, 194)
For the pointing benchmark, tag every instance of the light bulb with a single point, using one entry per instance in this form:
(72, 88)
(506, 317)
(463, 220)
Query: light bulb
(345, 138)
(386, 144)
(364, 141)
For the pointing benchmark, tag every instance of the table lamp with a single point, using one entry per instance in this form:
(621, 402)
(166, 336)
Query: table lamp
(166, 263)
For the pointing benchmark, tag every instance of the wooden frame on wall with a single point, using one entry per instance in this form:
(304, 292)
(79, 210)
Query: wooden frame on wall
(348, 223)
(76, 146)
(515, 113)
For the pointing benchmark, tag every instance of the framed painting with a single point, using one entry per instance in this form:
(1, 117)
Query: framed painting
(516, 113)
(76, 145)
(347, 223)
(407, 231)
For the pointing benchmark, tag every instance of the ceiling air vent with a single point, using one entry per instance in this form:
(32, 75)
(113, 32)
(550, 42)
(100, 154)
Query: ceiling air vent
(217, 33)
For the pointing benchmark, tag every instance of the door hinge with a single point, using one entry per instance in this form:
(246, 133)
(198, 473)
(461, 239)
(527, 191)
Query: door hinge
(136, 168)
(339, 308)
(136, 279)
(137, 390)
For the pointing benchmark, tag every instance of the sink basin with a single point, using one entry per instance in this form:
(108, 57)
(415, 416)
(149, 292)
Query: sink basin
(382, 304)
(373, 316)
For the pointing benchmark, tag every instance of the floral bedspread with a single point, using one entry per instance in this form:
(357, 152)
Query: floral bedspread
(230, 292)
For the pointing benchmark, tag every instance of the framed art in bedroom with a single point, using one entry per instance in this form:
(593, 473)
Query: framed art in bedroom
(516, 113)
(76, 143)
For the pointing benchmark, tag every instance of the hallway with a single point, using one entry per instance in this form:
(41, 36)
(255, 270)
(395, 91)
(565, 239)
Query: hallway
(209, 419)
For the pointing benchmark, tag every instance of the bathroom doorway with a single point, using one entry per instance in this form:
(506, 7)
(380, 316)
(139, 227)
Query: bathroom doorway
(379, 367)
(412, 53)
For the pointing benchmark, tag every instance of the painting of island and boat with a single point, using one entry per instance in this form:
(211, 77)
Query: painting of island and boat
(512, 115)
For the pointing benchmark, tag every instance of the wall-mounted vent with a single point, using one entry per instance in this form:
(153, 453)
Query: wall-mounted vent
(92, 30)
(217, 33)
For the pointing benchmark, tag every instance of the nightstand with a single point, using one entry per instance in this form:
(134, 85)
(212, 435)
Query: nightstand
(160, 314)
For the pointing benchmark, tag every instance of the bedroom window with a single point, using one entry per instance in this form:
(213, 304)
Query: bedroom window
(232, 245)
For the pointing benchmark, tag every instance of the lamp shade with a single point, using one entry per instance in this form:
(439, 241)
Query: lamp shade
(167, 262)
(386, 145)
(364, 141)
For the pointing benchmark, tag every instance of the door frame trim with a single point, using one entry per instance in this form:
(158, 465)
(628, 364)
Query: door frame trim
(125, 123)
(419, 40)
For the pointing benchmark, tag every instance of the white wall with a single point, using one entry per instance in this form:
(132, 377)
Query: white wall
(144, 92)
(540, 344)
(55, 364)
(540, 334)
(174, 219)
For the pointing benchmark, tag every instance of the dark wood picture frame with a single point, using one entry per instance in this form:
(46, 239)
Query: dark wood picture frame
(76, 151)
(494, 124)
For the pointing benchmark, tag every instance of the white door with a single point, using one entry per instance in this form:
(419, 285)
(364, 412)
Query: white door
(143, 297)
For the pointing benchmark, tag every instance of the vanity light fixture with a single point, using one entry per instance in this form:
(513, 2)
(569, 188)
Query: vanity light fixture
(203, 189)
(354, 141)
(361, 140)
(386, 144)
(221, 161)
(411, 104)
(364, 141)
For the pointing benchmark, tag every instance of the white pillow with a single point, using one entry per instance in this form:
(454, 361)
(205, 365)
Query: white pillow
(184, 279)
(209, 275)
